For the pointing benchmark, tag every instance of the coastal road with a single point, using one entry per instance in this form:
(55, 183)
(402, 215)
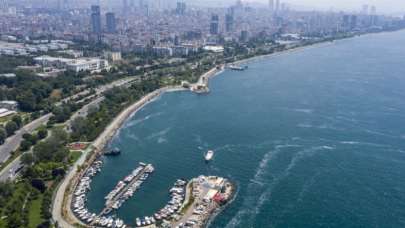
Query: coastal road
(84, 111)
(10, 172)
(13, 142)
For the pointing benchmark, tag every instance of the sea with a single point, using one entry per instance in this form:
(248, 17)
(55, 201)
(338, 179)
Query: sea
(311, 138)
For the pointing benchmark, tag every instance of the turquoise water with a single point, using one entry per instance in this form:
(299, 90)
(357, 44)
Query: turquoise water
(314, 138)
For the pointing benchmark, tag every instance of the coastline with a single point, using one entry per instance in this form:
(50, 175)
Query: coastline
(61, 208)
(105, 137)
(111, 130)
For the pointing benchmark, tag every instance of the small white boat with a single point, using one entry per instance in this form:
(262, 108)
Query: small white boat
(209, 155)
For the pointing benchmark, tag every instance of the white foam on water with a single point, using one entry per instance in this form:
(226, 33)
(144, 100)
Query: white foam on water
(162, 140)
(257, 184)
(307, 185)
(365, 143)
(303, 110)
(350, 142)
(253, 204)
(305, 125)
(159, 134)
(138, 121)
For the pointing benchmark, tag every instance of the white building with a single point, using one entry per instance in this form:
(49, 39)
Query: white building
(113, 56)
(10, 105)
(76, 65)
(215, 49)
(5, 112)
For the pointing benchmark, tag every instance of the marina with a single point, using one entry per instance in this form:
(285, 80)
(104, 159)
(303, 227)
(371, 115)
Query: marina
(191, 204)
(79, 201)
(127, 187)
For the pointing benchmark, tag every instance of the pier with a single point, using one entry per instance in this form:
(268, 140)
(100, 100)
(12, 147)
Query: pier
(120, 197)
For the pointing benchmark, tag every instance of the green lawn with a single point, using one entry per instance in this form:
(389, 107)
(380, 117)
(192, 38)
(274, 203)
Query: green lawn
(74, 156)
(34, 213)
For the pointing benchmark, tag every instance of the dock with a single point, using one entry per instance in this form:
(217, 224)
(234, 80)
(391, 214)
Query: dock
(119, 197)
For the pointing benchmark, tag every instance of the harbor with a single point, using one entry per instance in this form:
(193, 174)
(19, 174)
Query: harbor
(191, 203)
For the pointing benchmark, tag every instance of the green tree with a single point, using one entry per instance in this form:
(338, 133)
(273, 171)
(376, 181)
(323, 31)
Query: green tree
(42, 133)
(27, 159)
(25, 145)
(11, 127)
(3, 135)
(18, 120)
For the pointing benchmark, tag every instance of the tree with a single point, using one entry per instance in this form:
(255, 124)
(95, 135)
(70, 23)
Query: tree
(25, 145)
(27, 101)
(31, 138)
(3, 135)
(18, 120)
(42, 133)
(27, 159)
(38, 184)
(11, 127)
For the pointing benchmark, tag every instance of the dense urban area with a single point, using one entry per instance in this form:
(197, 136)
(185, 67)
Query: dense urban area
(69, 67)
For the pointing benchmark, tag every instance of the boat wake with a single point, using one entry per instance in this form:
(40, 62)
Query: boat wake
(139, 121)
(260, 189)
(159, 134)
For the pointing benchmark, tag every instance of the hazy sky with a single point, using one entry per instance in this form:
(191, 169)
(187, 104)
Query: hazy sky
(382, 5)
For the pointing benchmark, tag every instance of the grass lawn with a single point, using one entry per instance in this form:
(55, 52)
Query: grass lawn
(74, 156)
(34, 214)
(3, 223)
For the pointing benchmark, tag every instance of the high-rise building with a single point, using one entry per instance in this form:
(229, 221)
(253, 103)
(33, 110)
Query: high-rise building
(373, 10)
(244, 36)
(277, 5)
(96, 20)
(353, 22)
(229, 22)
(364, 10)
(181, 8)
(271, 5)
(125, 7)
(111, 22)
(214, 25)
(3, 5)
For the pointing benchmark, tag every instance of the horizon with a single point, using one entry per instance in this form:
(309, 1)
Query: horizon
(387, 7)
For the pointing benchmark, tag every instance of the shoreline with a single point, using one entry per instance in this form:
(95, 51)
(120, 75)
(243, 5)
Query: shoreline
(61, 210)
(116, 124)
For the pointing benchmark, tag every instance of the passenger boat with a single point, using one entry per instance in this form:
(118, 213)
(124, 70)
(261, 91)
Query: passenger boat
(209, 155)
(113, 152)
(237, 68)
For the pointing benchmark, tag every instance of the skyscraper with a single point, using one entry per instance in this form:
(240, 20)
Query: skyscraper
(96, 21)
(373, 10)
(181, 8)
(365, 10)
(125, 7)
(214, 25)
(229, 22)
(111, 22)
(271, 5)
(277, 5)
(3, 5)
